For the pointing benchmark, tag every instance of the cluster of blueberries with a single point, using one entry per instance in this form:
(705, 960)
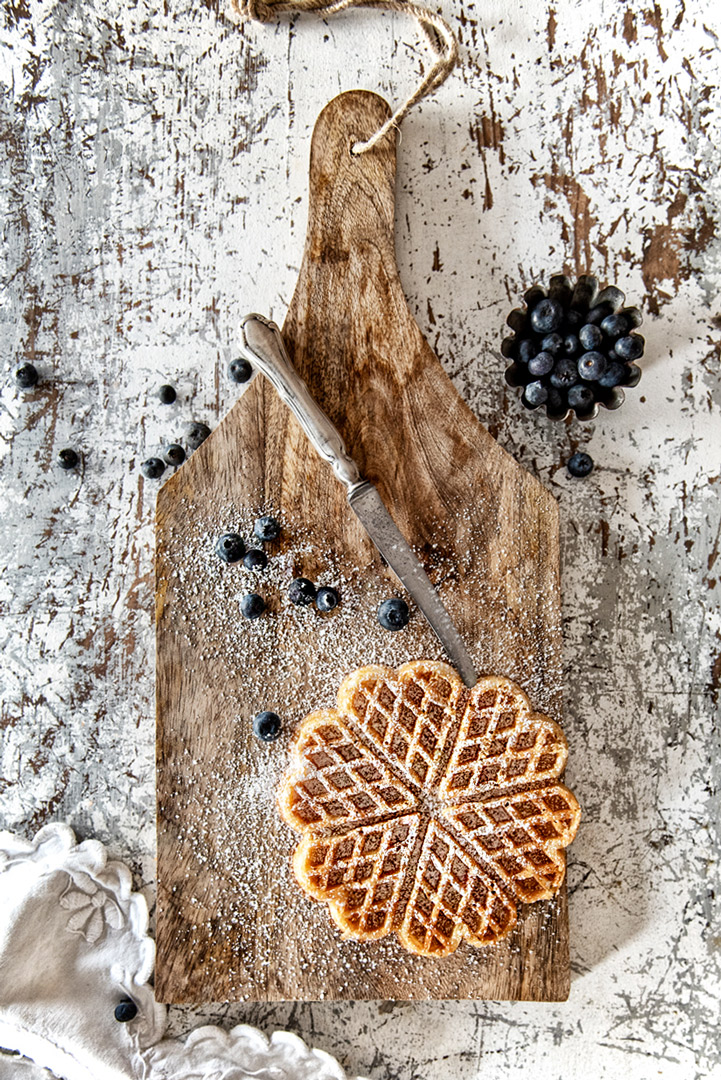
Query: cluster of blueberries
(174, 454)
(239, 371)
(572, 348)
(27, 377)
(231, 548)
(392, 614)
(542, 382)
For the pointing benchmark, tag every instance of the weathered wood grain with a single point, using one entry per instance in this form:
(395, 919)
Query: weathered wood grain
(445, 480)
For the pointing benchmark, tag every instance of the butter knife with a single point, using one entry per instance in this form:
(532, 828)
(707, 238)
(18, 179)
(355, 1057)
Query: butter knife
(262, 344)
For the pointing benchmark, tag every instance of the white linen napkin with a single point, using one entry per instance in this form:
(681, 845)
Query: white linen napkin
(73, 943)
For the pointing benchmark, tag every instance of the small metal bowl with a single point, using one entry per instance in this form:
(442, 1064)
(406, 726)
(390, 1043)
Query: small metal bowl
(582, 297)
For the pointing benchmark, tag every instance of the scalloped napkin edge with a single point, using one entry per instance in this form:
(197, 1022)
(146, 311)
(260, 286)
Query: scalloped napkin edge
(73, 941)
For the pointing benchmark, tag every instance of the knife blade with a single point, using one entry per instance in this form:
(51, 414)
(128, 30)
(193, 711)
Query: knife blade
(261, 342)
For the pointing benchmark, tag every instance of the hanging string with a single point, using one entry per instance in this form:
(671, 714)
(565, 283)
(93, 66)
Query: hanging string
(436, 30)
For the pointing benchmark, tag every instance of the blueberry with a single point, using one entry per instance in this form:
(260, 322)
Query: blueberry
(230, 548)
(327, 599)
(68, 459)
(266, 528)
(266, 726)
(535, 394)
(301, 592)
(630, 347)
(616, 325)
(590, 336)
(581, 398)
(553, 344)
(574, 320)
(255, 559)
(611, 296)
(547, 316)
(564, 374)
(26, 376)
(592, 365)
(167, 395)
(614, 374)
(527, 349)
(174, 454)
(196, 433)
(239, 371)
(571, 345)
(600, 312)
(541, 364)
(153, 468)
(393, 614)
(580, 464)
(252, 606)
(125, 1011)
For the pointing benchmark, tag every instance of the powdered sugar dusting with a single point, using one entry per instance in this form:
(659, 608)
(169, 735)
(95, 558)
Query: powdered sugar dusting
(239, 883)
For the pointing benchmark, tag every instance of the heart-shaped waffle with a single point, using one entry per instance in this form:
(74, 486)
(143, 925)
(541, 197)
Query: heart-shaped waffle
(428, 809)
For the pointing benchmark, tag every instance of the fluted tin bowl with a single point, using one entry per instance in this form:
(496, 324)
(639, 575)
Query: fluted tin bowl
(572, 348)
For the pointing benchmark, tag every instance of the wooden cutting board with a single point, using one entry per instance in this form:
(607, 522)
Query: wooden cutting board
(231, 922)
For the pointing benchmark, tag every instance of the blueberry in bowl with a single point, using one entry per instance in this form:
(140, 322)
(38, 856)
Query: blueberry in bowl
(573, 348)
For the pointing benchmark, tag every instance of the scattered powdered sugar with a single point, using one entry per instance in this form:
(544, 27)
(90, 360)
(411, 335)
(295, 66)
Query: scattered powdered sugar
(339, 641)
(236, 888)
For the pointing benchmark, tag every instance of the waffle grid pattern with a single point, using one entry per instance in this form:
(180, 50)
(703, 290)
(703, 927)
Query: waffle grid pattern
(452, 899)
(501, 742)
(408, 718)
(336, 780)
(406, 750)
(360, 874)
(523, 836)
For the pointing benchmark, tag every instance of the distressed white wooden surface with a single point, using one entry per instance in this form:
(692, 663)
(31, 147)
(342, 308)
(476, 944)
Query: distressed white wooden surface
(153, 190)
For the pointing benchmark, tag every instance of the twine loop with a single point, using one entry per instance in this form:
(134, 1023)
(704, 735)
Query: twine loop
(255, 10)
(436, 30)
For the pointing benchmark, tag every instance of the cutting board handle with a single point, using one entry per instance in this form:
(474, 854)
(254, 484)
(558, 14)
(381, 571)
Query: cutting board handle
(348, 328)
(342, 183)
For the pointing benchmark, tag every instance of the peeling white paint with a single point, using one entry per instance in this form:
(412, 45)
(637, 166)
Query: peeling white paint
(153, 189)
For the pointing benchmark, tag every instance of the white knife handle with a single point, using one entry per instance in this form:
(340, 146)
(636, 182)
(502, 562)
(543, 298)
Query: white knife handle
(261, 342)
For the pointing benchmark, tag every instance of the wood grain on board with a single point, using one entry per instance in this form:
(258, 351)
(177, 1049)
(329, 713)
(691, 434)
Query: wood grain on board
(444, 479)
